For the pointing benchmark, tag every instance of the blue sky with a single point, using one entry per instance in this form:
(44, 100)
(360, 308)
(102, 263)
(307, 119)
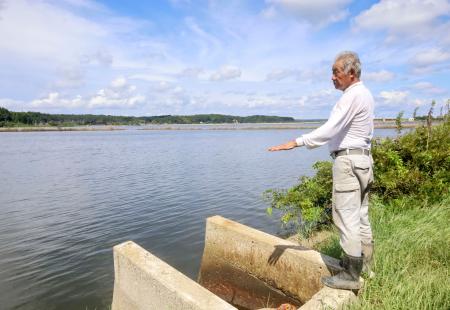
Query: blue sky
(242, 57)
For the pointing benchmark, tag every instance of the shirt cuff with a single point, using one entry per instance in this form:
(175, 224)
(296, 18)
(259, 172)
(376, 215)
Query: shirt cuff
(300, 141)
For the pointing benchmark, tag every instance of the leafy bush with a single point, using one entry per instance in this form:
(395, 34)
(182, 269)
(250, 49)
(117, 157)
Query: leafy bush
(304, 203)
(5, 116)
(414, 167)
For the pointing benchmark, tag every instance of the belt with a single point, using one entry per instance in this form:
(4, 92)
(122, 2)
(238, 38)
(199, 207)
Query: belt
(350, 152)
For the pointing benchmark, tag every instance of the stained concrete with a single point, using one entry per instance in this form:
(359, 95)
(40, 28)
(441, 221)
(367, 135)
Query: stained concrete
(246, 268)
(289, 272)
(142, 281)
(329, 298)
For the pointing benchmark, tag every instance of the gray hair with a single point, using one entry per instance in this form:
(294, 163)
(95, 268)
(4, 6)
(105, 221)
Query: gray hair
(351, 62)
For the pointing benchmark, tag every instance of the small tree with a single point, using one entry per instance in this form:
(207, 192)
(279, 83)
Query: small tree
(415, 112)
(398, 122)
(5, 116)
(429, 121)
(448, 109)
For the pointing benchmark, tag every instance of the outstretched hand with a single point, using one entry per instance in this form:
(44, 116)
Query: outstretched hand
(283, 147)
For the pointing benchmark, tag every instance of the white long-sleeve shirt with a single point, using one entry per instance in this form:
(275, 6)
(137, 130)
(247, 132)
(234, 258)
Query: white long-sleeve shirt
(350, 124)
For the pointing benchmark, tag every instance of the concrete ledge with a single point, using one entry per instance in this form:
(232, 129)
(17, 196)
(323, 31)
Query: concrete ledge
(245, 267)
(328, 298)
(142, 281)
(281, 269)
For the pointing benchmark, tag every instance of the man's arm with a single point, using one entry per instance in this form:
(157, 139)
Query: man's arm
(284, 147)
(341, 115)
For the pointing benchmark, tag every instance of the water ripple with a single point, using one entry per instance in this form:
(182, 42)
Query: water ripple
(71, 196)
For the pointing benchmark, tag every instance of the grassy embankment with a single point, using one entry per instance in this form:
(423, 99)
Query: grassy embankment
(411, 259)
(410, 212)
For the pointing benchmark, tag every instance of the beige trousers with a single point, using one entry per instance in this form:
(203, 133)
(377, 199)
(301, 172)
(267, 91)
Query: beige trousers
(352, 179)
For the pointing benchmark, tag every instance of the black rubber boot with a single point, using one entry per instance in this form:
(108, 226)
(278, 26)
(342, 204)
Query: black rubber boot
(367, 250)
(348, 279)
(367, 253)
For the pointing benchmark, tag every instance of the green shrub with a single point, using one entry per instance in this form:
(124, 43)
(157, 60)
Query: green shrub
(413, 167)
(406, 166)
(308, 203)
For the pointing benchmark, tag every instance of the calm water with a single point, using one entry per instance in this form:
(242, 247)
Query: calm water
(66, 198)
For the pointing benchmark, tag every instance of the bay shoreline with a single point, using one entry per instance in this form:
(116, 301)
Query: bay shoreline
(227, 126)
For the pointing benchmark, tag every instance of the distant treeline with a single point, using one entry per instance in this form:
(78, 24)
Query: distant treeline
(10, 119)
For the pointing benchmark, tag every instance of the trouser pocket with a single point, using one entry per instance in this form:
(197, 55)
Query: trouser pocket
(362, 168)
(346, 186)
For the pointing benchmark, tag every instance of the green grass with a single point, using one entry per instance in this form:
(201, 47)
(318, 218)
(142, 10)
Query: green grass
(411, 259)
(410, 219)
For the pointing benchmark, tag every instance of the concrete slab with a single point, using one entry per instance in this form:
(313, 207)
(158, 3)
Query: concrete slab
(245, 267)
(329, 299)
(143, 281)
(252, 269)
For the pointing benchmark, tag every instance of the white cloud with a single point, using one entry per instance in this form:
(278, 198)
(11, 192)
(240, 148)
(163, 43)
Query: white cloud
(54, 100)
(394, 97)
(208, 43)
(109, 99)
(169, 98)
(428, 87)
(119, 82)
(423, 85)
(280, 102)
(168, 87)
(319, 99)
(172, 99)
(84, 4)
(163, 86)
(44, 36)
(399, 17)
(315, 12)
(119, 96)
(151, 77)
(191, 72)
(39, 30)
(269, 12)
(419, 102)
(430, 57)
(378, 76)
(71, 77)
(11, 104)
(100, 57)
(86, 56)
(226, 73)
(280, 74)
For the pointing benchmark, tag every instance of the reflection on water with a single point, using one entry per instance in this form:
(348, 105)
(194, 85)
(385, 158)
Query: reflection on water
(66, 198)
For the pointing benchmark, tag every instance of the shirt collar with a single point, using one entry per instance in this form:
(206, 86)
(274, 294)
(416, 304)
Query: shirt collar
(353, 85)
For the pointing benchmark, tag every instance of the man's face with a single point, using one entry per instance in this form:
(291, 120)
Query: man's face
(341, 80)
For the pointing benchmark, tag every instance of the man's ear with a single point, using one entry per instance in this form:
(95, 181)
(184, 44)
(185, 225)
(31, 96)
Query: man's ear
(352, 73)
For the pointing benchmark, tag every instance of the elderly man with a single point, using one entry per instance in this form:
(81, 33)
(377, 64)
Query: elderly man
(348, 132)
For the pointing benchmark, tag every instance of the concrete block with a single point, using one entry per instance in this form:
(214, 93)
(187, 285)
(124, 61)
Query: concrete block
(252, 269)
(329, 299)
(142, 281)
